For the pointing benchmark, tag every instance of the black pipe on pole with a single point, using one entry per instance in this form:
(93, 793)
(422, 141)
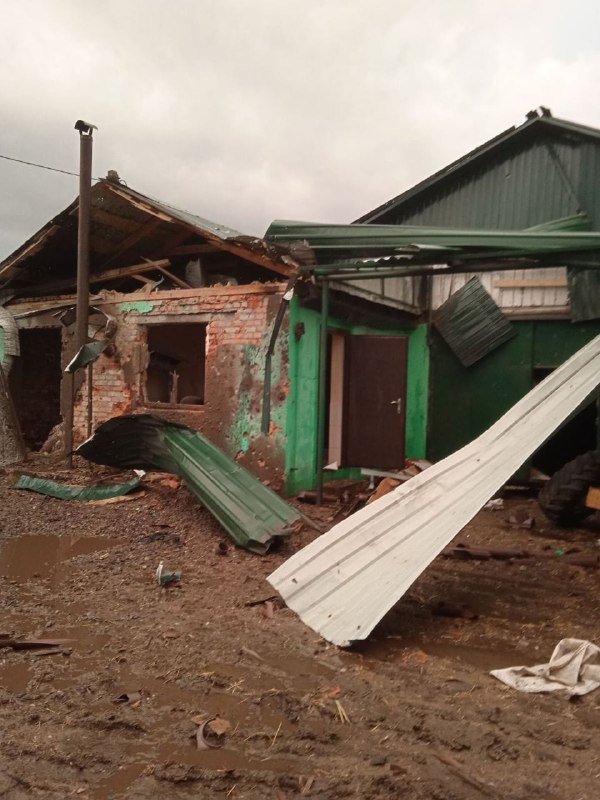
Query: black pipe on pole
(83, 232)
(83, 266)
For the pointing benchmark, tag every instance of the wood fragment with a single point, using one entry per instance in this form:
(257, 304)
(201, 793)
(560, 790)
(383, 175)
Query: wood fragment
(593, 498)
(308, 784)
(457, 769)
(177, 281)
(247, 651)
(344, 718)
(108, 501)
(275, 736)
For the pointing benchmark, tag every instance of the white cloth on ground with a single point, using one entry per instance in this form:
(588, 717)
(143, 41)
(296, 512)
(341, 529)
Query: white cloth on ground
(574, 668)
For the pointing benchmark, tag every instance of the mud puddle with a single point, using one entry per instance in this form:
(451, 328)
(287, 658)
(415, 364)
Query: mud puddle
(118, 782)
(15, 677)
(27, 557)
(418, 652)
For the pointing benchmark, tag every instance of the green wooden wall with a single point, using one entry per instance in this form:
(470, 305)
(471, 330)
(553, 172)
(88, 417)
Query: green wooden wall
(301, 423)
(464, 401)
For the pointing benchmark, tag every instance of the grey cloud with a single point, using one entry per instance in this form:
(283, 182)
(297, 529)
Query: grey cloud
(247, 110)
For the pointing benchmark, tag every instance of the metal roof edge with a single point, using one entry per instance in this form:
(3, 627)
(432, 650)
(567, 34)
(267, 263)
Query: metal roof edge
(477, 153)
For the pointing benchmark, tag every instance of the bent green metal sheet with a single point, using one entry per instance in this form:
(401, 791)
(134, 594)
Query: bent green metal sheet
(250, 512)
(64, 492)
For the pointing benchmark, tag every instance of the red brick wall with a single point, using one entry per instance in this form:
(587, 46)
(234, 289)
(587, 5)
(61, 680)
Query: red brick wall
(239, 322)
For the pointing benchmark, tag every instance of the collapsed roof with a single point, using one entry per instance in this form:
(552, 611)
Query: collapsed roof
(134, 238)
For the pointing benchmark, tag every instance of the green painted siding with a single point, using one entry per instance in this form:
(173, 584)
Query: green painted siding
(302, 402)
(467, 400)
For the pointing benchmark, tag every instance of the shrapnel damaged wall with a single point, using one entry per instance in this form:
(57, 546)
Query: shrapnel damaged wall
(239, 321)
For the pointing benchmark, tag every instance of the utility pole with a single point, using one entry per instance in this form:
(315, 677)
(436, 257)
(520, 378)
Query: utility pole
(83, 267)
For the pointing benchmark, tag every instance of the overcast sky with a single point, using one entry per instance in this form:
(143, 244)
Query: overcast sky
(248, 110)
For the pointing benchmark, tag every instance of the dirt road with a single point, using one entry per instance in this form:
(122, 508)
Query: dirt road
(412, 713)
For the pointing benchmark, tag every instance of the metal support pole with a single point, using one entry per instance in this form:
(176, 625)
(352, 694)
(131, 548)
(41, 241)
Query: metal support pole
(322, 387)
(83, 263)
(90, 399)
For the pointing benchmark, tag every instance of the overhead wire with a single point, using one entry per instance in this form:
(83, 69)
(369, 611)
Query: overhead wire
(44, 166)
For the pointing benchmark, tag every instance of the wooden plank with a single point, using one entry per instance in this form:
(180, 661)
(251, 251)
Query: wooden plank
(531, 283)
(208, 291)
(593, 498)
(143, 230)
(237, 248)
(124, 272)
(102, 217)
(32, 248)
(177, 281)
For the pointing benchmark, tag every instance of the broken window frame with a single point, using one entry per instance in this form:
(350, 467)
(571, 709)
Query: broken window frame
(173, 320)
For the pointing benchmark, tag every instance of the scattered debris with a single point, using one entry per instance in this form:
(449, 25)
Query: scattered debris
(573, 669)
(128, 698)
(470, 552)
(203, 742)
(31, 644)
(252, 514)
(268, 609)
(274, 739)
(497, 504)
(64, 492)
(260, 602)
(458, 770)
(521, 518)
(127, 498)
(385, 486)
(392, 541)
(308, 784)
(252, 653)
(166, 578)
(344, 718)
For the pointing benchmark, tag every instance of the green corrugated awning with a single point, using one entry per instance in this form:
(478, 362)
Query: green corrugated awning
(426, 245)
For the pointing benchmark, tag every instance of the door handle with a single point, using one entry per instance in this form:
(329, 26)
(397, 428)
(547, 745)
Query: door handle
(398, 404)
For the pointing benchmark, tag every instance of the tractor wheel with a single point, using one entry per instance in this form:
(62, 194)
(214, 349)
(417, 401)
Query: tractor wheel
(562, 499)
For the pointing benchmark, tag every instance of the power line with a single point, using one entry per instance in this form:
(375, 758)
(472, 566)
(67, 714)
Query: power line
(44, 166)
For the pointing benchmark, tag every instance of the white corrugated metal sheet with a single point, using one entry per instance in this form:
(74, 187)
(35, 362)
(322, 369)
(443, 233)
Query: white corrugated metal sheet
(504, 287)
(403, 293)
(344, 582)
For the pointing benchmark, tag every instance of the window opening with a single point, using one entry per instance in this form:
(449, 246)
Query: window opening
(176, 367)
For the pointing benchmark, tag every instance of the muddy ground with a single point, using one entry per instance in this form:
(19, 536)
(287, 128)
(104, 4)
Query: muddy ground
(425, 719)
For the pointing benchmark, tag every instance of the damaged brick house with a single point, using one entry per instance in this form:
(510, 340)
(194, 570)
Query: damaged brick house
(380, 357)
(183, 309)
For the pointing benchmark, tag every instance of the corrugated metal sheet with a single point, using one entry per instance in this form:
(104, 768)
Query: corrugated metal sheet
(251, 512)
(471, 323)
(424, 244)
(545, 168)
(503, 287)
(84, 493)
(343, 583)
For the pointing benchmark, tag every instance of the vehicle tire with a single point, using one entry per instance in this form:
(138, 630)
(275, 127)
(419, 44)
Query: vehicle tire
(562, 499)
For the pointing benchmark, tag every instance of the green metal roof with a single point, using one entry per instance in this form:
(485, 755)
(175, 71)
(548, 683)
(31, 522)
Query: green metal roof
(426, 245)
(251, 513)
(544, 169)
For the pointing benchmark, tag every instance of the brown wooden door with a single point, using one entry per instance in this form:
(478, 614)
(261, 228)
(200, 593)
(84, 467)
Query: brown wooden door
(375, 408)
